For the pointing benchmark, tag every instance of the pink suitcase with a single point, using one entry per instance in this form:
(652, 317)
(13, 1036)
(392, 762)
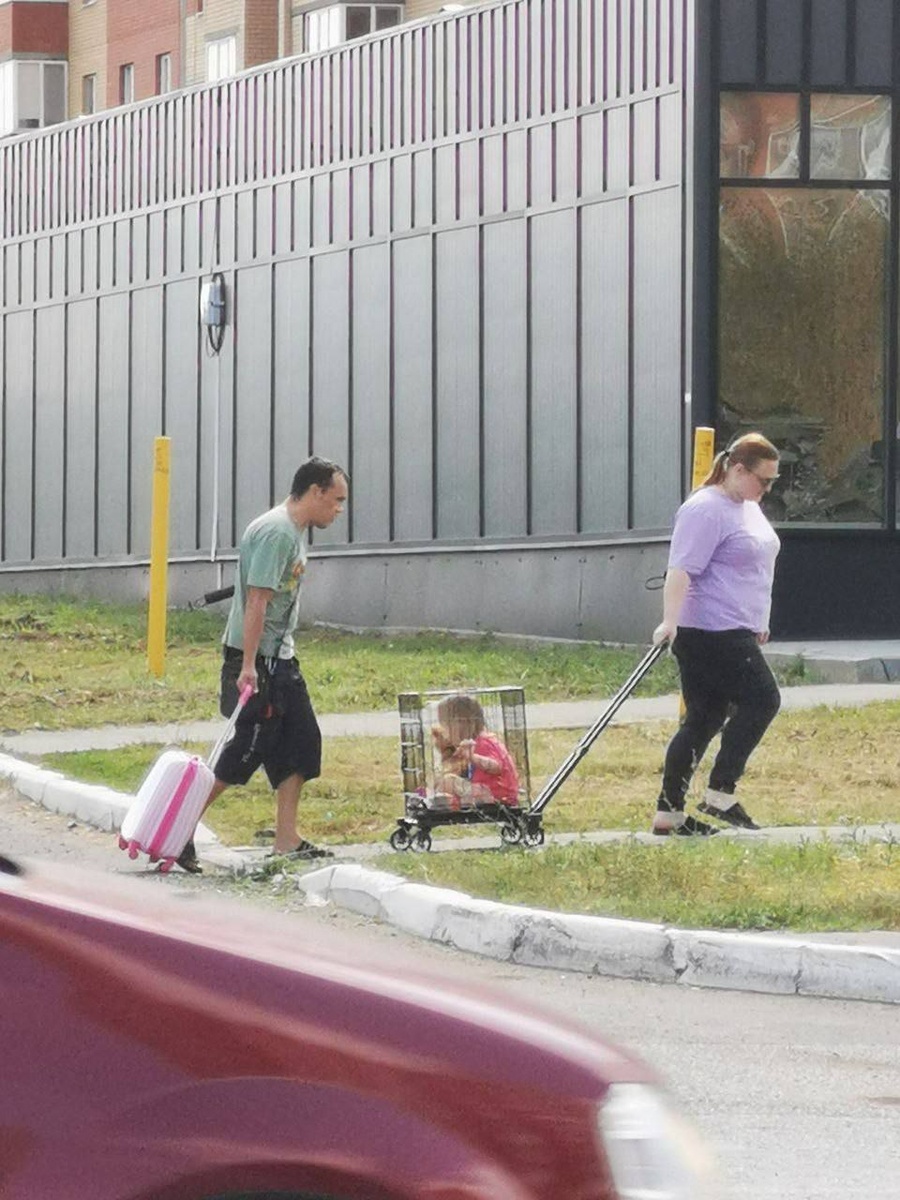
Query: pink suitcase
(171, 799)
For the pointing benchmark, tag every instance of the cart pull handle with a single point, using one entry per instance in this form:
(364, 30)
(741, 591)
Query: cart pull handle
(552, 786)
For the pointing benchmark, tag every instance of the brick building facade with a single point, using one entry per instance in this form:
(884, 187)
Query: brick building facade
(121, 51)
(34, 36)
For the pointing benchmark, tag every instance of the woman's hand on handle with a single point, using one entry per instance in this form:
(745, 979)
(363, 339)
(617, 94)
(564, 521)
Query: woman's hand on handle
(664, 632)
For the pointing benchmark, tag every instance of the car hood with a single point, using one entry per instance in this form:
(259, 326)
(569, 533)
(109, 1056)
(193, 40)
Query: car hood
(376, 994)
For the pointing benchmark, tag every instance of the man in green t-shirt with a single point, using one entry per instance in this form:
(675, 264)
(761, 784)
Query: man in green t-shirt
(277, 728)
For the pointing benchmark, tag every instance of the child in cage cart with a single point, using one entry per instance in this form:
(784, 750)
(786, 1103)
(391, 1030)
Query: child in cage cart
(473, 765)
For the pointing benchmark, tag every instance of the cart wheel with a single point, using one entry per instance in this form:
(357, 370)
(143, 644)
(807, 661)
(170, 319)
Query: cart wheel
(422, 840)
(534, 837)
(400, 838)
(511, 834)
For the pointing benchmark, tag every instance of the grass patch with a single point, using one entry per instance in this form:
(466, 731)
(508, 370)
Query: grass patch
(818, 767)
(814, 886)
(73, 664)
(76, 665)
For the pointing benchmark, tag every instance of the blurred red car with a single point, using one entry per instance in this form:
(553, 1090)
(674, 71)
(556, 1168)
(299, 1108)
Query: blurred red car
(162, 1048)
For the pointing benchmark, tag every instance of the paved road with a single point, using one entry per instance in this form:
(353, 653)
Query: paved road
(798, 1098)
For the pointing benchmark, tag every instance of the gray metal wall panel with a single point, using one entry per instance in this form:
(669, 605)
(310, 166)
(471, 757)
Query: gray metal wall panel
(505, 387)
(42, 270)
(445, 185)
(340, 207)
(618, 150)
(49, 431)
(253, 485)
(737, 55)
(412, 371)
(423, 189)
(401, 193)
(461, 74)
(554, 385)
(113, 411)
(181, 411)
(191, 245)
(828, 54)
(81, 428)
(516, 170)
(604, 366)
(18, 445)
(246, 226)
(874, 42)
(565, 164)
(146, 408)
(371, 409)
(784, 41)
(381, 198)
(643, 145)
(27, 273)
(656, 427)
(290, 429)
(458, 470)
(540, 166)
(331, 366)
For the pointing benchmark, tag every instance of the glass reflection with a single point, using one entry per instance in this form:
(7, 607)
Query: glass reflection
(850, 137)
(802, 315)
(759, 135)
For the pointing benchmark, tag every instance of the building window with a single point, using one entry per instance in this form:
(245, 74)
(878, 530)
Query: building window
(163, 74)
(88, 94)
(327, 27)
(32, 95)
(804, 265)
(221, 58)
(126, 83)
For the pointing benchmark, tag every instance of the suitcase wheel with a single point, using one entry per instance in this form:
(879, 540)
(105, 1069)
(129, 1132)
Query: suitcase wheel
(123, 845)
(133, 849)
(166, 865)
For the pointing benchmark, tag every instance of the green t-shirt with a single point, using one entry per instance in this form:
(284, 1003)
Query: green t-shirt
(272, 555)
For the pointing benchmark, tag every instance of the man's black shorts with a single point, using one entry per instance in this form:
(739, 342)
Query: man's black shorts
(277, 730)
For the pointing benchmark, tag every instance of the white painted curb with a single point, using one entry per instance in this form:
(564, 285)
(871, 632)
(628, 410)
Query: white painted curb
(606, 946)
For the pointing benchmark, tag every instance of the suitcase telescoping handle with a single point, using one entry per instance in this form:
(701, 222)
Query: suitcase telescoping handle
(552, 786)
(229, 728)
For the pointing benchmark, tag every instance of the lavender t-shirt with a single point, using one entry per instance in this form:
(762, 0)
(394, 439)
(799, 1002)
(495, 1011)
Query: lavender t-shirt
(728, 549)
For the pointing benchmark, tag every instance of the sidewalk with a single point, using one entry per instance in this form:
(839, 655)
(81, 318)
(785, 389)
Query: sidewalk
(847, 966)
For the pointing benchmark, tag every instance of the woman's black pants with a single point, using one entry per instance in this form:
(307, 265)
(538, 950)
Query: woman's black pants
(727, 685)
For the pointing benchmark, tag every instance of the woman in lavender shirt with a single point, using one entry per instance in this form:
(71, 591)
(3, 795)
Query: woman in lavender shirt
(717, 599)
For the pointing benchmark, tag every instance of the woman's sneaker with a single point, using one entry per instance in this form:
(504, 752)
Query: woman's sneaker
(672, 822)
(725, 808)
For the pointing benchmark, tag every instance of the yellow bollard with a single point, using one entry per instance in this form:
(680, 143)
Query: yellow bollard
(704, 453)
(159, 558)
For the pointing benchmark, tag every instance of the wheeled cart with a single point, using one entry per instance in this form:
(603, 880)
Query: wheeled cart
(504, 707)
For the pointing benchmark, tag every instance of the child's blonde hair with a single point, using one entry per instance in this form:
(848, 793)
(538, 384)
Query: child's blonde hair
(462, 716)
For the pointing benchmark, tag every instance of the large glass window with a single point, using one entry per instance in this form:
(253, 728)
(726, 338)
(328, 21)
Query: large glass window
(324, 28)
(32, 95)
(803, 294)
(221, 58)
(802, 305)
(850, 137)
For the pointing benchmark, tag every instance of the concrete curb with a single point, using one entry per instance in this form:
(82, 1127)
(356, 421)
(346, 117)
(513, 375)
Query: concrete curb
(102, 807)
(612, 947)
